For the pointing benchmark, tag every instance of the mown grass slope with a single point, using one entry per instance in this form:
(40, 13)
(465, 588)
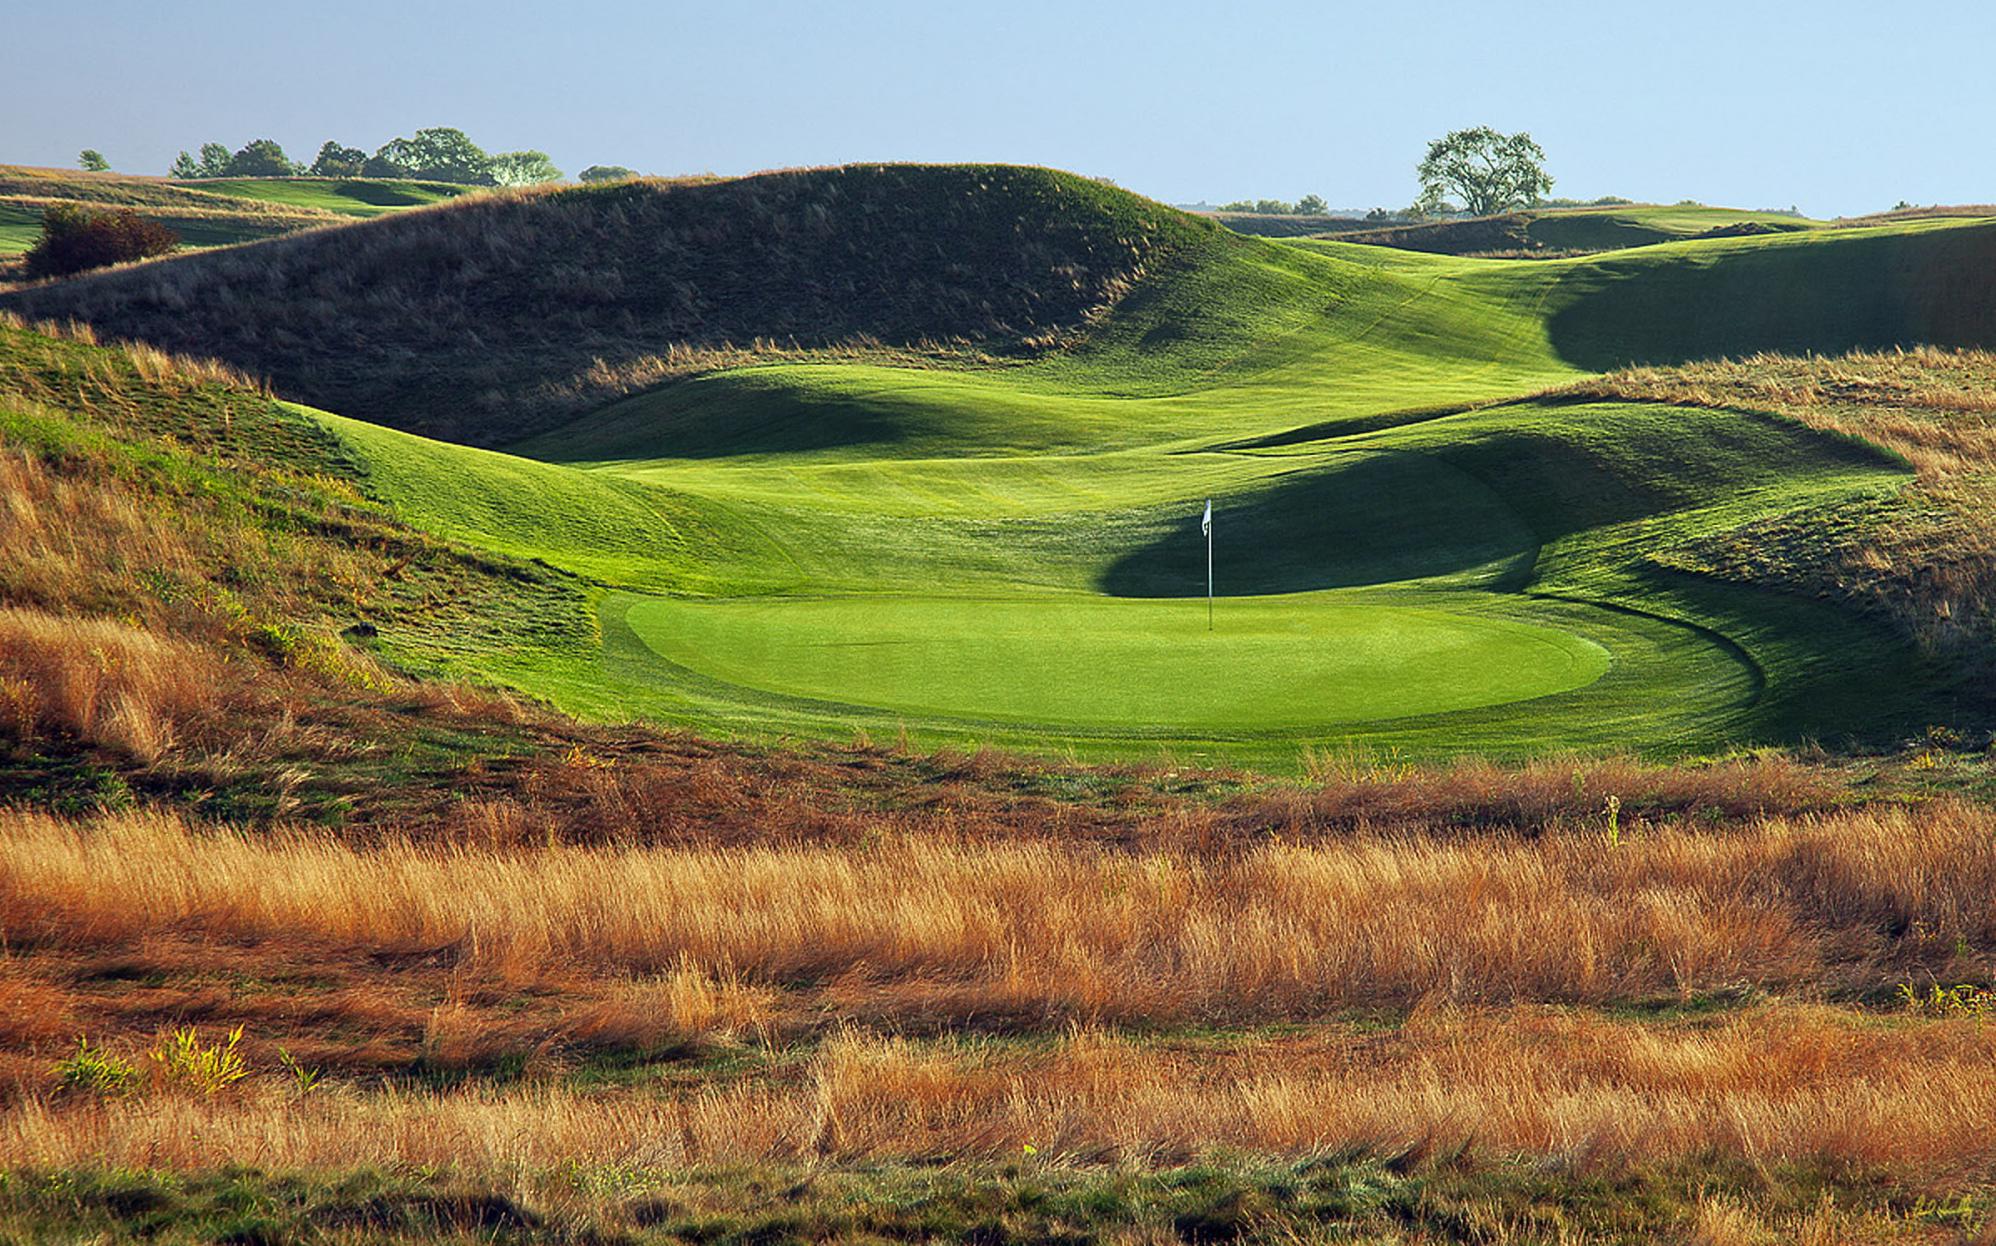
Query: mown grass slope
(347, 196)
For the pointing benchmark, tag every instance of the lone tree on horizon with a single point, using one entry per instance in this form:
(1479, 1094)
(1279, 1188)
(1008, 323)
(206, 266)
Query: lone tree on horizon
(1489, 172)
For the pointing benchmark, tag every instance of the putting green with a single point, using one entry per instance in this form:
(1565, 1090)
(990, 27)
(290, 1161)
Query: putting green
(1271, 663)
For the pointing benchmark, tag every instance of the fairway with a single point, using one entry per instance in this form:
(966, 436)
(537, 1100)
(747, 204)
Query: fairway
(1272, 663)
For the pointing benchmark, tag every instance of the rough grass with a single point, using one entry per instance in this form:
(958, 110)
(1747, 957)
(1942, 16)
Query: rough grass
(1925, 562)
(927, 931)
(513, 309)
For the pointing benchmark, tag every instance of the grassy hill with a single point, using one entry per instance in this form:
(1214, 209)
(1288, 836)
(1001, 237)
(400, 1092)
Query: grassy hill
(200, 218)
(493, 317)
(917, 449)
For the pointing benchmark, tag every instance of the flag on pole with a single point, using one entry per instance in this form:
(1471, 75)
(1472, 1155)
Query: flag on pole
(1206, 529)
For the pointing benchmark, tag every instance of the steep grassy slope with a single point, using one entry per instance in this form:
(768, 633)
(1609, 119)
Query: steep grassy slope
(493, 317)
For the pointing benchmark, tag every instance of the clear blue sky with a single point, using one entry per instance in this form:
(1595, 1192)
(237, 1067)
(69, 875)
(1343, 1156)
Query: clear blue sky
(1838, 107)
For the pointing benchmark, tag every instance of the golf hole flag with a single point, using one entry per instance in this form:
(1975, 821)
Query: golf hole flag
(1206, 528)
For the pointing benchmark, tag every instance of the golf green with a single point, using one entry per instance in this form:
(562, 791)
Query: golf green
(1293, 661)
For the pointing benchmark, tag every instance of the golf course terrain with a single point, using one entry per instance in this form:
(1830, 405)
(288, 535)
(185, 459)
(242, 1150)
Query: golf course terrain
(691, 712)
(924, 450)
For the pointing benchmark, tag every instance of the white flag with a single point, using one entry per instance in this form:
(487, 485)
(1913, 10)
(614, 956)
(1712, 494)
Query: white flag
(1206, 521)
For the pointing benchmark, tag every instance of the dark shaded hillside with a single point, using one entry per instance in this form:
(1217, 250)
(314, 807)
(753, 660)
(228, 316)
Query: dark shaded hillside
(1822, 293)
(489, 320)
(1565, 231)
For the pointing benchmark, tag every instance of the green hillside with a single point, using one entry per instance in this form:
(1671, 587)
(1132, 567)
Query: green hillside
(347, 196)
(989, 531)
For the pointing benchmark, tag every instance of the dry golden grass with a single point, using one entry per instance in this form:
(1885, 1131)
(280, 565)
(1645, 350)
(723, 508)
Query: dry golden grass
(1770, 1085)
(103, 682)
(920, 929)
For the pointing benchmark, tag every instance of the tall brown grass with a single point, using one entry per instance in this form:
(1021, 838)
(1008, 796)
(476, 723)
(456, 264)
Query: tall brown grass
(921, 929)
(103, 682)
(1771, 1085)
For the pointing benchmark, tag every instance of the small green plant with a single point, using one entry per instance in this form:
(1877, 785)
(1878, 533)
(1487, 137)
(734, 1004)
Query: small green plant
(303, 1080)
(182, 1059)
(1964, 999)
(95, 1071)
(1613, 810)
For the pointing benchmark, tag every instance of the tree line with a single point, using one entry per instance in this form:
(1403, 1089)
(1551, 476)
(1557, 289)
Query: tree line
(436, 154)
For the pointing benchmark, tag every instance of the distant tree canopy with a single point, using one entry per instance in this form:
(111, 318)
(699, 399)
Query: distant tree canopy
(1487, 171)
(261, 157)
(438, 154)
(1308, 205)
(214, 160)
(90, 160)
(606, 173)
(337, 160)
(75, 239)
(523, 168)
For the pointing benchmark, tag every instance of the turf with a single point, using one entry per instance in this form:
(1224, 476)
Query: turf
(1412, 551)
(362, 197)
(1301, 661)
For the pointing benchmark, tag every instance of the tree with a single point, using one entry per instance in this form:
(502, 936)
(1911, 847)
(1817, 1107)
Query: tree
(1312, 205)
(214, 160)
(335, 160)
(1489, 172)
(523, 168)
(90, 160)
(606, 173)
(75, 239)
(261, 157)
(438, 154)
(185, 167)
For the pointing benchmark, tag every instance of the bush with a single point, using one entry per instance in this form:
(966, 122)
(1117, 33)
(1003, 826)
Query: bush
(606, 173)
(93, 1070)
(75, 239)
(183, 1060)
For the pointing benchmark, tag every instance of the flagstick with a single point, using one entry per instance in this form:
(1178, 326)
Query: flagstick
(1209, 572)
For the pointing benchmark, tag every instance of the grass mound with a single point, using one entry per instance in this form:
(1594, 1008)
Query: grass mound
(489, 319)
